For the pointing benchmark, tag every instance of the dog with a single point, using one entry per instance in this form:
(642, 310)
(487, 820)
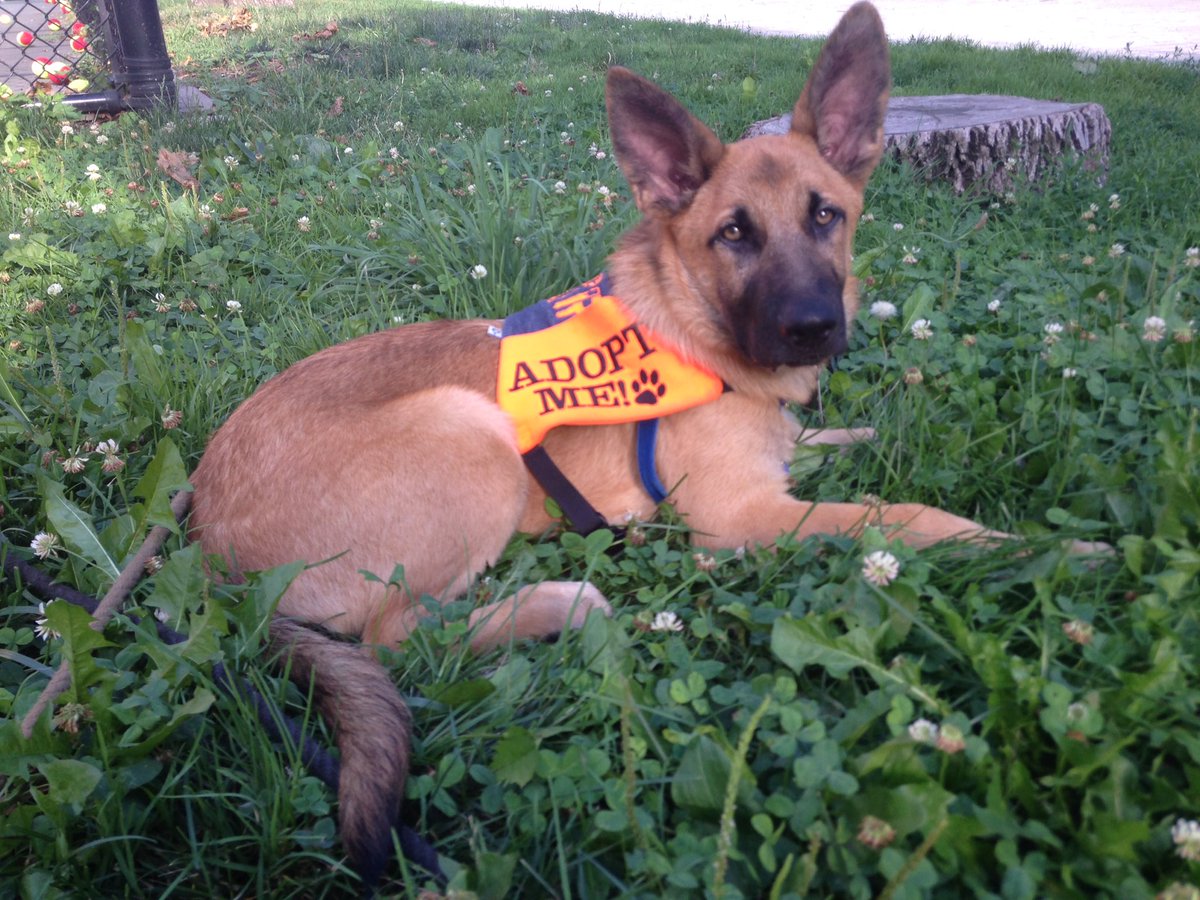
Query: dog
(403, 447)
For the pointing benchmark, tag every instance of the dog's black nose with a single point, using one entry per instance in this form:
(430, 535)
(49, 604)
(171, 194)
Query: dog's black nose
(805, 327)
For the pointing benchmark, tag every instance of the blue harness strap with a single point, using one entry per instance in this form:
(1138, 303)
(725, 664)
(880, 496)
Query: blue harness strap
(647, 441)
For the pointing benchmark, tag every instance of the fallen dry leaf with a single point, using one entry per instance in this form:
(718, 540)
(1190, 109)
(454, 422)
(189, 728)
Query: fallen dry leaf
(330, 29)
(424, 42)
(337, 108)
(238, 212)
(177, 165)
(219, 26)
(519, 88)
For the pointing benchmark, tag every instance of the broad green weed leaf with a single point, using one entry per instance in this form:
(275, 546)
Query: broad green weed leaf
(802, 642)
(151, 372)
(74, 623)
(515, 759)
(700, 780)
(919, 304)
(493, 875)
(164, 476)
(258, 603)
(75, 527)
(10, 402)
(459, 693)
(71, 781)
(178, 584)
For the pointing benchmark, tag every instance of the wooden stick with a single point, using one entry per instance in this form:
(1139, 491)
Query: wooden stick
(121, 588)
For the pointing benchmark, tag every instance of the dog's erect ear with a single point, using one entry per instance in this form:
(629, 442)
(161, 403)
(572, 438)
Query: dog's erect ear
(665, 152)
(843, 104)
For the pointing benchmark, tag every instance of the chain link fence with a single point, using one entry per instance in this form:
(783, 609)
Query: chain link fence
(101, 55)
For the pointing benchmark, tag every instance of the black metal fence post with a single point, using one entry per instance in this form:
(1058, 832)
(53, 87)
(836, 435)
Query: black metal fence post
(52, 38)
(140, 67)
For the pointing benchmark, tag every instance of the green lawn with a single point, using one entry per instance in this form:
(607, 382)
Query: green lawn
(783, 743)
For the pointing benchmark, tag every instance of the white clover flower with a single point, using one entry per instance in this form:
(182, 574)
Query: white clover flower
(922, 329)
(44, 544)
(603, 190)
(867, 217)
(40, 628)
(993, 306)
(73, 208)
(93, 172)
(233, 306)
(1114, 201)
(99, 209)
(880, 568)
(478, 272)
(66, 129)
(76, 462)
(898, 226)
(1052, 332)
(923, 731)
(1191, 258)
(883, 309)
(112, 463)
(1154, 329)
(910, 255)
(108, 447)
(1186, 835)
(1079, 631)
(231, 162)
(205, 212)
(348, 151)
(304, 223)
(171, 418)
(1184, 334)
(54, 289)
(560, 187)
(1068, 372)
(666, 621)
(1116, 250)
(102, 139)
(14, 235)
(950, 739)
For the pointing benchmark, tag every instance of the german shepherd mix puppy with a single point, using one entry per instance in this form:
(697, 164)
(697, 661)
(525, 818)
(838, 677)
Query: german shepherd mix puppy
(392, 447)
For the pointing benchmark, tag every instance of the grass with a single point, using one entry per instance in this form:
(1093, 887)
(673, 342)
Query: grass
(775, 746)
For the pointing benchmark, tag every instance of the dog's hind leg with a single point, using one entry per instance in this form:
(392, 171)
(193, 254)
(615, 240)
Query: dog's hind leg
(537, 611)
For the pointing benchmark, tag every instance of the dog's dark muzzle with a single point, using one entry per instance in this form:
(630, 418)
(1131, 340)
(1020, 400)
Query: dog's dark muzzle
(786, 326)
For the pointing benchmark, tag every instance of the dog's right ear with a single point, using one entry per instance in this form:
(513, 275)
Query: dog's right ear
(665, 152)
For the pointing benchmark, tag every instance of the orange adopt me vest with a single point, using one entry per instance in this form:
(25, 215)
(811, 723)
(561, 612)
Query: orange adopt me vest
(582, 359)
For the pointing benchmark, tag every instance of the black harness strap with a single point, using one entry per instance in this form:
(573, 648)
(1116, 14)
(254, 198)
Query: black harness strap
(584, 517)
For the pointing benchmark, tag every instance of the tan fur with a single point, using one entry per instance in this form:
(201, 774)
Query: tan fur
(390, 448)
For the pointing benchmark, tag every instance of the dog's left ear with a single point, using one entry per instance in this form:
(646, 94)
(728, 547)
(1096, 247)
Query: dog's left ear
(845, 100)
(664, 151)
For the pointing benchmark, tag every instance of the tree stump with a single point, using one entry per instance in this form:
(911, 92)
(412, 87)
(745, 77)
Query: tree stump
(983, 142)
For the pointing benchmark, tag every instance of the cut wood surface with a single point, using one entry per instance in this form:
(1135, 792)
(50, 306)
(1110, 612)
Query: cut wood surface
(983, 142)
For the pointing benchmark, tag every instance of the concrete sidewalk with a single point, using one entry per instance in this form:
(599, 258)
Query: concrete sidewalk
(1150, 29)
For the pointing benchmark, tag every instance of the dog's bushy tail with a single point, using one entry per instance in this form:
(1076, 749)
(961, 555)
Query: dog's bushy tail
(373, 727)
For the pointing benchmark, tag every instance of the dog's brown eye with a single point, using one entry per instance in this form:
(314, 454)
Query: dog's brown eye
(732, 232)
(824, 216)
